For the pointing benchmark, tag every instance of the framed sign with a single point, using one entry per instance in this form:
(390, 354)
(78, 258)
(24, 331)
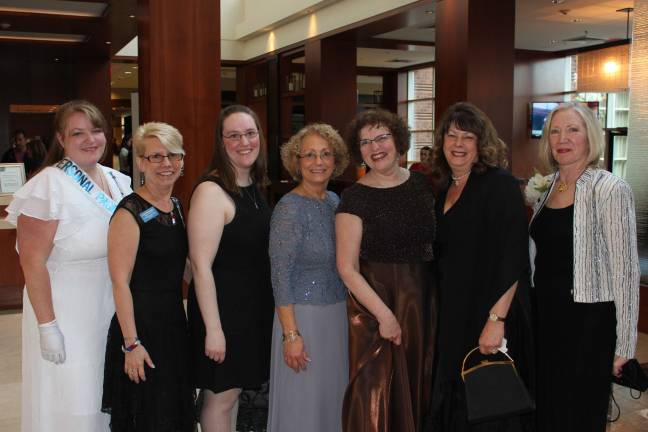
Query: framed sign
(12, 177)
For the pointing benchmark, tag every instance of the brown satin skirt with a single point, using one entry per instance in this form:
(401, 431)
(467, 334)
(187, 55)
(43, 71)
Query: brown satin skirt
(389, 386)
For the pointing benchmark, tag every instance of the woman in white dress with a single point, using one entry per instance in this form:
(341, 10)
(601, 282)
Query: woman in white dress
(61, 216)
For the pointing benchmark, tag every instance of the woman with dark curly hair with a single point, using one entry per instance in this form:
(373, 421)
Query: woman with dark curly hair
(385, 230)
(482, 260)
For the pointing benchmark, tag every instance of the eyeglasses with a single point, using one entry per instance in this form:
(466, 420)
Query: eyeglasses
(325, 155)
(237, 136)
(158, 158)
(378, 140)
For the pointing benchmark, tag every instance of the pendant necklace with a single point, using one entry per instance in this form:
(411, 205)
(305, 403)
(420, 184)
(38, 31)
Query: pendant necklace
(457, 179)
(252, 196)
(562, 186)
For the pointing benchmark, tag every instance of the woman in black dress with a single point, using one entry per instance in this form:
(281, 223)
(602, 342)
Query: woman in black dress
(586, 278)
(146, 379)
(482, 259)
(384, 239)
(230, 304)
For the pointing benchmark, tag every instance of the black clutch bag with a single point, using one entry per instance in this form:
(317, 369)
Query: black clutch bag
(493, 387)
(632, 376)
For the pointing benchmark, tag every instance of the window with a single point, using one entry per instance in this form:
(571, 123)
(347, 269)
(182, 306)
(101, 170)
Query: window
(418, 107)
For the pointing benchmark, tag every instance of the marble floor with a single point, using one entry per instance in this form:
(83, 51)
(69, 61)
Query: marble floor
(634, 413)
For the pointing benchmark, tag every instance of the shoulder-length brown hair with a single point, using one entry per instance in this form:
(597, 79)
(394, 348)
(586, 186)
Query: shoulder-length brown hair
(63, 113)
(221, 165)
(491, 150)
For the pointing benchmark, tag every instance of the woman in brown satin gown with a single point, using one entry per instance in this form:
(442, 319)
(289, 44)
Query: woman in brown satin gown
(385, 228)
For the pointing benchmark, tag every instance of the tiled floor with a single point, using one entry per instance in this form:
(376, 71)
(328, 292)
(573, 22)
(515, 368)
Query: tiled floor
(634, 413)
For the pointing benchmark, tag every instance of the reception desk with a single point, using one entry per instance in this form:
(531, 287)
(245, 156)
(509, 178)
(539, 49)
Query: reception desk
(11, 277)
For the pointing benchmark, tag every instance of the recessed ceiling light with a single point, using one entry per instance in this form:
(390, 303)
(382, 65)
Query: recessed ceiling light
(56, 59)
(128, 72)
(134, 67)
(429, 11)
(108, 42)
(131, 16)
(577, 20)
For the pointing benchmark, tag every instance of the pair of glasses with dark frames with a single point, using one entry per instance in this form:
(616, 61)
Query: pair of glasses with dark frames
(158, 157)
(238, 136)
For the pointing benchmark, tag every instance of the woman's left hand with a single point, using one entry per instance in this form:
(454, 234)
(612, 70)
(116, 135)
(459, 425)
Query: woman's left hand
(618, 365)
(491, 337)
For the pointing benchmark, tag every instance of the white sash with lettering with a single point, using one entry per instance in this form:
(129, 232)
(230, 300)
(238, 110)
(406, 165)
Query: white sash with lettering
(85, 183)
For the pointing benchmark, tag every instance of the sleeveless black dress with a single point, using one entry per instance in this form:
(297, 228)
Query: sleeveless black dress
(241, 271)
(164, 402)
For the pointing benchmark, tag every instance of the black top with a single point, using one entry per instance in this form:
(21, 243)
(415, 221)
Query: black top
(552, 231)
(241, 270)
(398, 223)
(482, 251)
(157, 267)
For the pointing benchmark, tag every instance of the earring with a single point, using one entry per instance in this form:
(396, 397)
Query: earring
(142, 180)
(181, 171)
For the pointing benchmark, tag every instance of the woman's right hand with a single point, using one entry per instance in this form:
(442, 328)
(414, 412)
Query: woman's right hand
(295, 355)
(390, 329)
(134, 364)
(215, 345)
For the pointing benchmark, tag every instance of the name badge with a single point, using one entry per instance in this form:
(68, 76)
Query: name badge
(148, 214)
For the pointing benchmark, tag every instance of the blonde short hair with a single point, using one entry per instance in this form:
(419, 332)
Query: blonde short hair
(168, 136)
(290, 150)
(595, 140)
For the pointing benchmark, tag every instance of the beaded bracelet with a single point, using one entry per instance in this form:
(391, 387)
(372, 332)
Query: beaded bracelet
(131, 347)
(291, 336)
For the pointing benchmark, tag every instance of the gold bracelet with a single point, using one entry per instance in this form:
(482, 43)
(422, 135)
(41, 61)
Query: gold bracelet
(291, 336)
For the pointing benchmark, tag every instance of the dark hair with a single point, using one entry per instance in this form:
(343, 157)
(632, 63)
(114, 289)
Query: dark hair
(377, 117)
(428, 148)
(63, 113)
(491, 151)
(221, 165)
(17, 132)
(36, 153)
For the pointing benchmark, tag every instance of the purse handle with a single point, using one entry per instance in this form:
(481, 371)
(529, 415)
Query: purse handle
(483, 363)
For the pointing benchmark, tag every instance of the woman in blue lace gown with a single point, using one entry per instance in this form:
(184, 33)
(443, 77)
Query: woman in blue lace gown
(309, 363)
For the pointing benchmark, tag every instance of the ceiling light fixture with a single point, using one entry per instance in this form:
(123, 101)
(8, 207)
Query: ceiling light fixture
(62, 8)
(42, 37)
(627, 12)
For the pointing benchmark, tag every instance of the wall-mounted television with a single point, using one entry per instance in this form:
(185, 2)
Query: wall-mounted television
(540, 110)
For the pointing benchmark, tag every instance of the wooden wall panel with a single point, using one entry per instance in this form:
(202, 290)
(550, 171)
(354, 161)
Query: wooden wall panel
(539, 76)
(179, 76)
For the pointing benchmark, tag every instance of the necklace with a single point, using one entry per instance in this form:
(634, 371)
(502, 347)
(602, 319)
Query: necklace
(252, 196)
(562, 186)
(457, 179)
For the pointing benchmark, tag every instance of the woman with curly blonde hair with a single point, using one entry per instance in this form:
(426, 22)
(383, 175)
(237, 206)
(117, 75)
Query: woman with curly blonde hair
(483, 260)
(309, 363)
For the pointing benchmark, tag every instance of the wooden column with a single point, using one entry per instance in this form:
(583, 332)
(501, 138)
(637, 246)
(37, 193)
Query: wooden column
(93, 84)
(475, 56)
(331, 90)
(179, 76)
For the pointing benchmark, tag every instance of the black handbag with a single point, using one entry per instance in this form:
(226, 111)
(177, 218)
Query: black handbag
(632, 376)
(493, 387)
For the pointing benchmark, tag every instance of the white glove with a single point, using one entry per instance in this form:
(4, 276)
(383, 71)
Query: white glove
(51, 342)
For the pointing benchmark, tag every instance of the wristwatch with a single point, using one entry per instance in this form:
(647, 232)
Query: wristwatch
(495, 318)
